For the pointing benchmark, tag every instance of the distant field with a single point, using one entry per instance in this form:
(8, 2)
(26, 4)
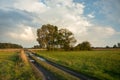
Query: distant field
(103, 65)
(13, 68)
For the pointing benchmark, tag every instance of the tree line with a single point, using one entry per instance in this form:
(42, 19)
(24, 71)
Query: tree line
(50, 37)
(9, 45)
(114, 46)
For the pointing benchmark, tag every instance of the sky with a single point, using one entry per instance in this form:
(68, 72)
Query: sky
(96, 21)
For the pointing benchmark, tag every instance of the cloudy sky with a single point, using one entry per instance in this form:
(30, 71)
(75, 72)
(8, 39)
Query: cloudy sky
(96, 21)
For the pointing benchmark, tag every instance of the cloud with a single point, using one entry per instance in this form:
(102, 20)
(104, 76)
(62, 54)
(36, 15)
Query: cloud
(91, 15)
(30, 5)
(20, 19)
(65, 14)
(25, 33)
(110, 9)
(103, 31)
(97, 35)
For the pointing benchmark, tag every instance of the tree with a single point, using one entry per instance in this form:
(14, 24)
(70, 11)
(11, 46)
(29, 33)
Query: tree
(66, 39)
(107, 47)
(118, 45)
(47, 36)
(84, 46)
(115, 46)
(50, 37)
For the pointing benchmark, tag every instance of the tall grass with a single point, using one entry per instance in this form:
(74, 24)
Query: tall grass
(13, 68)
(103, 65)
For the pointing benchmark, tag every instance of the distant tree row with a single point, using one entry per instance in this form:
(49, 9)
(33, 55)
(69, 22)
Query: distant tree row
(114, 46)
(9, 45)
(50, 37)
(36, 46)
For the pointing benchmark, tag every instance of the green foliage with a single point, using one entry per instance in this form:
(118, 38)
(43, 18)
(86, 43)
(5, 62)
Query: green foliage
(118, 45)
(9, 45)
(114, 46)
(67, 39)
(103, 65)
(84, 46)
(50, 37)
(12, 67)
(47, 36)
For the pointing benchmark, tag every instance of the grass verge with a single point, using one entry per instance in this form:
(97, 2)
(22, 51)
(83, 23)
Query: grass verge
(13, 68)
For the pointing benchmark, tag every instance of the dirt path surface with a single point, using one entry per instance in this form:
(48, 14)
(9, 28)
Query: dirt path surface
(46, 74)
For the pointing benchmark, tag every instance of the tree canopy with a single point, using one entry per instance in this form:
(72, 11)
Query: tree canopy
(48, 36)
(84, 46)
(67, 39)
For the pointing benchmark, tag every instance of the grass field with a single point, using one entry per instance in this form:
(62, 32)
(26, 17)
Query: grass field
(13, 68)
(103, 65)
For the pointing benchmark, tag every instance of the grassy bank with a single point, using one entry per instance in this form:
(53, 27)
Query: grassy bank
(103, 65)
(12, 67)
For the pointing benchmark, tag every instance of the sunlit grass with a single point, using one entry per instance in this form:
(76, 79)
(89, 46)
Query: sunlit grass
(103, 65)
(13, 68)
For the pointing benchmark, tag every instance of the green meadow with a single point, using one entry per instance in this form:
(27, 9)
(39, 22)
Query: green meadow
(13, 68)
(101, 65)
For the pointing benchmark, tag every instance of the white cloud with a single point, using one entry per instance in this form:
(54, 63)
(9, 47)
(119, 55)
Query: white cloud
(64, 14)
(97, 35)
(90, 15)
(110, 8)
(24, 33)
(30, 5)
(103, 31)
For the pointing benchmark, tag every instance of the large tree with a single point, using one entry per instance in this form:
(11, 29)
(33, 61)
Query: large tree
(47, 35)
(50, 37)
(66, 39)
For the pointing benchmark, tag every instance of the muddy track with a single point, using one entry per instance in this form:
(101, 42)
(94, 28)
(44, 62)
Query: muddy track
(46, 74)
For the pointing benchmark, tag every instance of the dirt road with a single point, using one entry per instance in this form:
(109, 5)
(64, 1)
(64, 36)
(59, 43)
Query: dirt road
(46, 74)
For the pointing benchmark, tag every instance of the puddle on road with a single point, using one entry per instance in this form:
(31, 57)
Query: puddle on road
(42, 59)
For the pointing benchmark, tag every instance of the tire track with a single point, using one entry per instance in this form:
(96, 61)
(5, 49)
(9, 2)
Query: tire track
(46, 74)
